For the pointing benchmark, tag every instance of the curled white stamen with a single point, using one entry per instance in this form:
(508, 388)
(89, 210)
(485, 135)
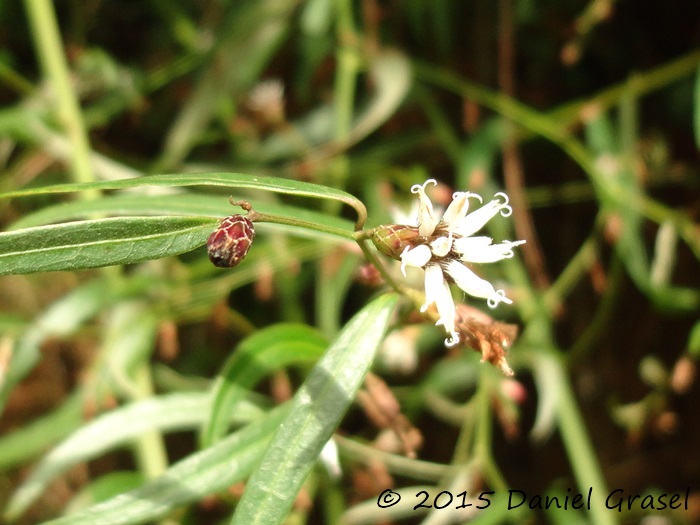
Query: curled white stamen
(451, 341)
(498, 297)
(506, 200)
(417, 188)
(468, 194)
(505, 209)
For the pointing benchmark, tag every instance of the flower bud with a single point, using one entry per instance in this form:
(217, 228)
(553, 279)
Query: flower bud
(229, 243)
(392, 239)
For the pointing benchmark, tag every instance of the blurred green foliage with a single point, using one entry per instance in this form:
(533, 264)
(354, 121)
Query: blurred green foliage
(125, 127)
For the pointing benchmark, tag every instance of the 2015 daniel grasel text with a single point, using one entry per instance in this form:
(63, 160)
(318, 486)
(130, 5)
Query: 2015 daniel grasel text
(616, 500)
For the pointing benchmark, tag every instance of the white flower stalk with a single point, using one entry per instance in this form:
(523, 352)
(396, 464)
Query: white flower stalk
(444, 246)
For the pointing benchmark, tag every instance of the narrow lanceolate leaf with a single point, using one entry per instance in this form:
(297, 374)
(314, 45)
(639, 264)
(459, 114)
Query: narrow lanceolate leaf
(257, 356)
(316, 411)
(224, 180)
(207, 472)
(101, 242)
(195, 204)
(114, 429)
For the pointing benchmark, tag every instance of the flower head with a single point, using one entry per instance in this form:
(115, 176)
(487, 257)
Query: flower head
(444, 246)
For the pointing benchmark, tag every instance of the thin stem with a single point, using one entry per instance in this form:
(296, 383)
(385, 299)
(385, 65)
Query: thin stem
(372, 258)
(300, 223)
(149, 447)
(348, 66)
(580, 451)
(361, 237)
(484, 432)
(570, 276)
(49, 46)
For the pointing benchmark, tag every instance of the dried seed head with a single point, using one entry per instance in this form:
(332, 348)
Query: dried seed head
(229, 243)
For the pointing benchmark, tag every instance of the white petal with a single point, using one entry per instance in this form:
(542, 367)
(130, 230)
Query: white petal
(441, 246)
(418, 257)
(329, 458)
(476, 220)
(475, 285)
(478, 252)
(426, 215)
(433, 282)
(464, 245)
(438, 291)
(457, 209)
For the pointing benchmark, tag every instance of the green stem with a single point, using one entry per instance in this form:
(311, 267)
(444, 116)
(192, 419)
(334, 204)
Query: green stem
(14, 80)
(149, 447)
(484, 432)
(638, 85)
(361, 237)
(300, 223)
(372, 258)
(49, 46)
(348, 66)
(580, 450)
(572, 273)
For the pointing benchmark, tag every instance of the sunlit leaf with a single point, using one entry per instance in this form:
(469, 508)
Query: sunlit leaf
(101, 242)
(114, 429)
(186, 204)
(315, 413)
(207, 472)
(224, 180)
(267, 350)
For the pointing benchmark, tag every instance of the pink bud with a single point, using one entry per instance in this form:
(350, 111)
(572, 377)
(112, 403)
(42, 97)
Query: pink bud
(229, 243)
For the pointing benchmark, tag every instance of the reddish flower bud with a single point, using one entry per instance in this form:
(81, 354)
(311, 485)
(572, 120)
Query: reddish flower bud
(229, 243)
(392, 239)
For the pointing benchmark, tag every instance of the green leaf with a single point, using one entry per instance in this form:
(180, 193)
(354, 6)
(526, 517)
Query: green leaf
(207, 472)
(694, 341)
(129, 340)
(391, 74)
(114, 429)
(106, 487)
(265, 351)
(696, 109)
(101, 242)
(190, 204)
(225, 180)
(316, 411)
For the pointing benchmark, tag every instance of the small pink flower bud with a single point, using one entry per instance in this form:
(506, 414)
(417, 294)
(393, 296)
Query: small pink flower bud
(229, 243)
(393, 239)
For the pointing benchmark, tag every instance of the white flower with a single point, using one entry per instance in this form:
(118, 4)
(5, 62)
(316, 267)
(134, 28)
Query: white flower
(444, 246)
